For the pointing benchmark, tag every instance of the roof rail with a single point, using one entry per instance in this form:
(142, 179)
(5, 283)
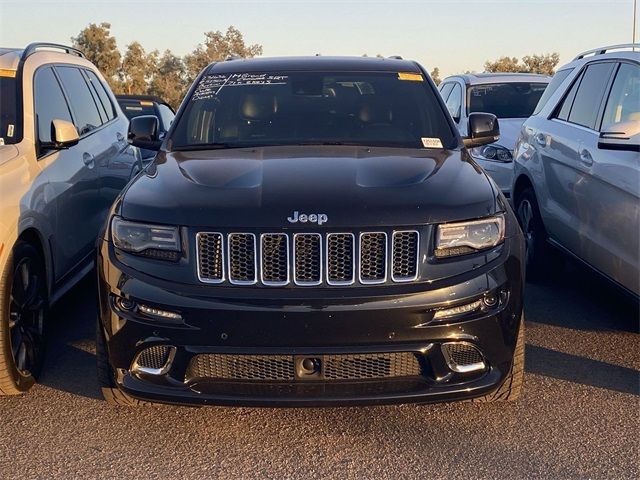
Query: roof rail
(395, 57)
(34, 47)
(603, 50)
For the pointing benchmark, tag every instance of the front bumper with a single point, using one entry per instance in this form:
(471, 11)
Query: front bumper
(310, 323)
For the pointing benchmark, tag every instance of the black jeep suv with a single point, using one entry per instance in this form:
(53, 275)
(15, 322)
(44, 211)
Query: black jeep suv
(311, 232)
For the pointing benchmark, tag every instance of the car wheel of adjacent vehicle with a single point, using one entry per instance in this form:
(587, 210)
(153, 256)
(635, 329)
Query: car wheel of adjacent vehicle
(111, 393)
(541, 258)
(23, 307)
(512, 386)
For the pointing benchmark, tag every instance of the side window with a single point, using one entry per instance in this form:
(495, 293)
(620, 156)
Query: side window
(167, 116)
(623, 104)
(82, 102)
(445, 90)
(557, 79)
(50, 103)
(94, 94)
(454, 102)
(99, 88)
(586, 104)
(567, 103)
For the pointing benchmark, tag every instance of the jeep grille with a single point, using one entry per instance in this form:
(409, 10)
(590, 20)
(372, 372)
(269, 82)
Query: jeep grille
(308, 259)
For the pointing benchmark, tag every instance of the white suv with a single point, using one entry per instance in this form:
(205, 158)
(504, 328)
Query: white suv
(509, 96)
(64, 157)
(577, 166)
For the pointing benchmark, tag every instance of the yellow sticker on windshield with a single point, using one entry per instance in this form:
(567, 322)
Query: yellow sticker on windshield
(4, 72)
(412, 77)
(146, 103)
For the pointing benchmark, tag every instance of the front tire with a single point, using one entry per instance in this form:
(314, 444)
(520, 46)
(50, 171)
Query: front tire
(511, 388)
(23, 307)
(111, 393)
(541, 258)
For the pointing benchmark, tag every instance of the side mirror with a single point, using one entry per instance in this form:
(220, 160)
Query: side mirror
(483, 129)
(144, 132)
(621, 136)
(63, 134)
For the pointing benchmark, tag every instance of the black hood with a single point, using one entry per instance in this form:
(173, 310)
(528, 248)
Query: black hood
(352, 186)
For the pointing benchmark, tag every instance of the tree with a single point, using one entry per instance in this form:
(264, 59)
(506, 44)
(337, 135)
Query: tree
(435, 75)
(544, 64)
(100, 48)
(168, 80)
(503, 64)
(218, 46)
(137, 69)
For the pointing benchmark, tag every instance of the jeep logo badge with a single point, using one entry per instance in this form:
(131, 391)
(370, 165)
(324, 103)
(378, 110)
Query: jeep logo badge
(318, 218)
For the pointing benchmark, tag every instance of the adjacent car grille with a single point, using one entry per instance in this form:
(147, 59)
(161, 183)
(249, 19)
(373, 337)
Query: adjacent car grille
(308, 259)
(282, 367)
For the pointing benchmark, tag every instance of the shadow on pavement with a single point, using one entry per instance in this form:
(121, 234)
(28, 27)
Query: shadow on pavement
(580, 299)
(70, 365)
(576, 369)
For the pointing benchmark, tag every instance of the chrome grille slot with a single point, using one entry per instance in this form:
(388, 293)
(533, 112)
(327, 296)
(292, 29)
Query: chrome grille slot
(405, 256)
(340, 258)
(373, 257)
(274, 259)
(242, 258)
(307, 258)
(210, 257)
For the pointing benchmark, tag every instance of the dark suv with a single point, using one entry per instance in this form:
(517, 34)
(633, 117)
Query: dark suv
(139, 105)
(312, 231)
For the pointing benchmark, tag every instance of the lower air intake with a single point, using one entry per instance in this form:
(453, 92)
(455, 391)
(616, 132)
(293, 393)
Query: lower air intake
(282, 367)
(463, 357)
(154, 359)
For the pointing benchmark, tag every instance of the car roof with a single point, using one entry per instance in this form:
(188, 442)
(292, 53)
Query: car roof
(506, 77)
(310, 63)
(10, 58)
(592, 56)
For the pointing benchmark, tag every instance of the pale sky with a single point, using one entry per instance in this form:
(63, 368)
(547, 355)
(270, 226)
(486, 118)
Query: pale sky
(455, 35)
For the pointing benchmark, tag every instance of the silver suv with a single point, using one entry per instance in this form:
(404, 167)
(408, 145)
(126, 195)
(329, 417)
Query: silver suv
(64, 157)
(577, 166)
(509, 96)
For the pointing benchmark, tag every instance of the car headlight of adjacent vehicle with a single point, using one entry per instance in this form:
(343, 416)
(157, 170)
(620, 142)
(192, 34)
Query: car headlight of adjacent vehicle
(461, 238)
(492, 153)
(153, 241)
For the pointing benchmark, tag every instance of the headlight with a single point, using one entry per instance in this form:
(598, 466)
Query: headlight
(153, 241)
(468, 237)
(492, 153)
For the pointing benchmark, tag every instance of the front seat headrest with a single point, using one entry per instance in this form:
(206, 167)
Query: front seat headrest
(258, 106)
(373, 110)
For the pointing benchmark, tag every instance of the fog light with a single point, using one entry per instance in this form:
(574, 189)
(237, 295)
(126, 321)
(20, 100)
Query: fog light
(156, 312)
(490, 300)
(125, 304)
(459, 310)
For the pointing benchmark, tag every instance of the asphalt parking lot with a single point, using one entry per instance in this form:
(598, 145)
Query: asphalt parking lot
(578, 418)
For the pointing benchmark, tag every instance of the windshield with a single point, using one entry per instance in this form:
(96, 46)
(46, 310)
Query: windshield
(298, 108)
(506, 100)
(136, 108)
(8, 111)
